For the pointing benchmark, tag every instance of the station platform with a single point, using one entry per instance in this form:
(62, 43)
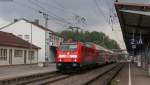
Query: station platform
(8, 72)
(132, 75)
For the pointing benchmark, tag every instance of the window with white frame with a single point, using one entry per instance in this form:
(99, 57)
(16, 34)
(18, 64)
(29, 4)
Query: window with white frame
(50, 37)
(18, 53)
(27, 37)
(31, 55)
(3, 54)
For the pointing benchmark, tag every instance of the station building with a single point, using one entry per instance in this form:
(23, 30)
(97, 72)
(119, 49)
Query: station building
(35, 33)
(14, 50)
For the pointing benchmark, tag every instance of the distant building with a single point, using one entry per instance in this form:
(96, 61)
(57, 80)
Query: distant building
(14, 50)
(34, 33)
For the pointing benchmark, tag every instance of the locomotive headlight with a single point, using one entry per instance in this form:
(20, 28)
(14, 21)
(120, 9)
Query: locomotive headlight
(73, 56)
(62, 56)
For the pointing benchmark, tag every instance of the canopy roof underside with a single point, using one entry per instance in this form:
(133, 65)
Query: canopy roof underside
(135, 23)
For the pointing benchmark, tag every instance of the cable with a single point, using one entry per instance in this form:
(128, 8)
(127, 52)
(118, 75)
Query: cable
(82, 19)
(50, 13)
(26, 5)
(36, 10)
(58, 7)
(99, 10)
(53, 13)
(112, 12)
(111, 20)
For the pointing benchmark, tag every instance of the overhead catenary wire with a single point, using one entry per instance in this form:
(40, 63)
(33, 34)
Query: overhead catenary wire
(81, 20)
(100, 10)
(110, 20)
(113, 18)
(37, 10)
(112, 12)
(59, 4)
(43, 3)
(58, 7)
(49, 12)
(74, 13)
(110, 16)
(51, 15)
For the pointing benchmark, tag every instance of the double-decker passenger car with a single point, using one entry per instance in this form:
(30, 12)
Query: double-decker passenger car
(76, 55)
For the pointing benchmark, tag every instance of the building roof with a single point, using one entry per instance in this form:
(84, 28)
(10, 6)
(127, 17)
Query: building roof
(10, 40)
(132, 4)
(134, 20)
(38, 25)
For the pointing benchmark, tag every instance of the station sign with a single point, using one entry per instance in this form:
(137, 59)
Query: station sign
(132, 41)
(134, 46)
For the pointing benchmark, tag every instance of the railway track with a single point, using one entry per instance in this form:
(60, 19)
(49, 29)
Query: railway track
(91, 77)
(87, 78)
(106, 77)
(52, 79)
(49, 80)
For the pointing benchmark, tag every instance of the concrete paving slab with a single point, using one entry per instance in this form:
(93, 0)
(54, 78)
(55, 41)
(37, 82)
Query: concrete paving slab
(122, 77)
(138, 76)
(24, 70)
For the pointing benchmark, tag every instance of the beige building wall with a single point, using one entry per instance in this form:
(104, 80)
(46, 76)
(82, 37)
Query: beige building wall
(13, 60)
(40, 37)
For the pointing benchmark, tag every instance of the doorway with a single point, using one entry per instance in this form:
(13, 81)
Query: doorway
(53, 54)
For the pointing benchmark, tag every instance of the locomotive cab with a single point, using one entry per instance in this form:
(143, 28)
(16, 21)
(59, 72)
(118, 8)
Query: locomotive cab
(68, 57)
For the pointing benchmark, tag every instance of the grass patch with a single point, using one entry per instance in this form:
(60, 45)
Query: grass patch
(113, 82)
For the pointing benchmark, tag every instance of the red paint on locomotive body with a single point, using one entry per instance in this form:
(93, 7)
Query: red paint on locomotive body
(64, 54)
(78, 54)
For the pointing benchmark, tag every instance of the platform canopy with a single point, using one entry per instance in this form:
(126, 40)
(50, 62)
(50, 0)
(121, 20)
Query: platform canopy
(135, 24)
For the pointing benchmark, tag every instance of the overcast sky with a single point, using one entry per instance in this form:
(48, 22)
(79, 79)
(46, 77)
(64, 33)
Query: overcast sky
(61, 12)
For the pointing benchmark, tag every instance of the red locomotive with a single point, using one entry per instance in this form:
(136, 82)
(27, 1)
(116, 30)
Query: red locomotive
(74, 56)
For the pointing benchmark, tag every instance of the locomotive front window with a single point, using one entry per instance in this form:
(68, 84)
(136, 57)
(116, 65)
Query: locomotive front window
(66, 47)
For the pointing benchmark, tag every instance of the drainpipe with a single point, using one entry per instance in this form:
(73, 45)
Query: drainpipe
(31, 46)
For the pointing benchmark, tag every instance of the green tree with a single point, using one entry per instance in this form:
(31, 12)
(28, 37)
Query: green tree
(96, 37)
